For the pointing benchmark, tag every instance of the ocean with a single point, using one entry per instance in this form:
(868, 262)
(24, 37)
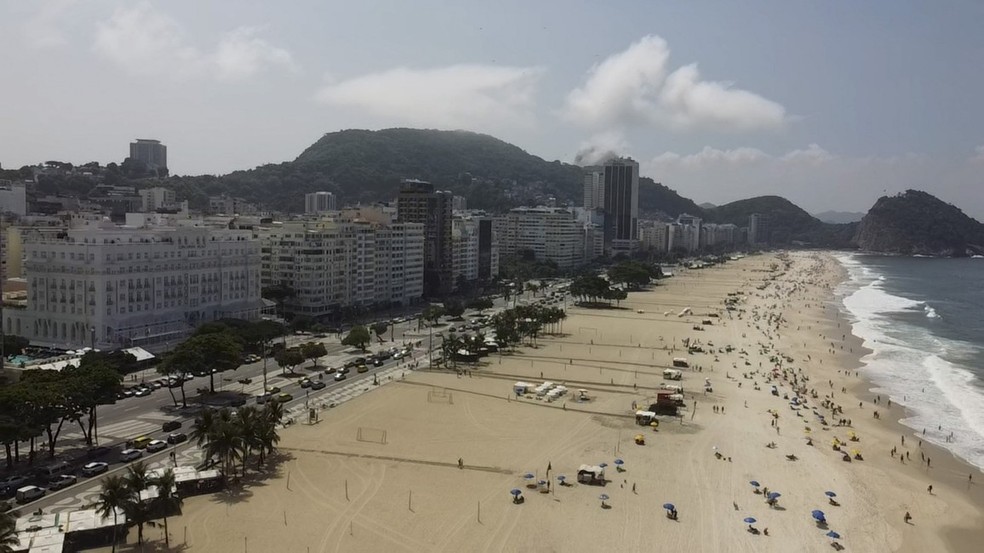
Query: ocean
(923, 320)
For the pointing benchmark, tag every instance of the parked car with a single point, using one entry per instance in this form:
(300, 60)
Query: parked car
(128, 455)
(14, 482)
(28, 494)
(263, 398)
(284, 397)
(62, 481)
(53, 470)
(176, 438)
(317, 385)
(377, 363)
(156, 445)
(273, 390)
(340, 376)
(171, 426)
(305, 383)
(94, 468)
(141, 392)
(344, 370)
(361, 369)
(330, 370)
(141, 442)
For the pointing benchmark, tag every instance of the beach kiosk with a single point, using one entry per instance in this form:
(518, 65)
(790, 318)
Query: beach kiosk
(521, 388)
(672, 374)
(591, 474)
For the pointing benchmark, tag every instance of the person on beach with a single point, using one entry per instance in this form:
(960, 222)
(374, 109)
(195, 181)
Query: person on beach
(907, 518)
(930, 489)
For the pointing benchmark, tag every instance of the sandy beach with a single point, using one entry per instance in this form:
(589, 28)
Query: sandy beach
(382, 472)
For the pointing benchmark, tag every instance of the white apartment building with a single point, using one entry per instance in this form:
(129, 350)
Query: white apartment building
(335, 264)
(464, 246)
(594, 188)
(107, 286)
(550, 233)
(655, 237)
(319, 202)
(156, 197)
(13, 198)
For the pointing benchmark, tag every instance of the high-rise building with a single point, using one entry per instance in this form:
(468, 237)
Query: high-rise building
(13, 198)
(488, 250)
(418, 202)
(552, 234)
(759, 229)
(621, 200)
(151, 152)
(319, 202)
(108, 287)
(156, 198)
(594, 187)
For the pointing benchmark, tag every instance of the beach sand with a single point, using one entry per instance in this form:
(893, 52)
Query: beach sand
(382, 472)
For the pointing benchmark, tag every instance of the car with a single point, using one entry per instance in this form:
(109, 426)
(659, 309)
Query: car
(377, 363)
(187, 376)
(340, 376)
(176, 438)
(361, 369)
(62, 481)
(349, 363)
(127, 392)
(360, 360)
(141, 392)
(305, 383)
(156, 445)
(128, 455)
(330, 370)
(284, 397)
(263, 398)
(94, 468)
(175, 382)
(398, 355)
(28, 494)
(14, 482)
(273, 390)
(317, 385)
(171, 426)
(141, 442)
(156, 384)
(344, 370)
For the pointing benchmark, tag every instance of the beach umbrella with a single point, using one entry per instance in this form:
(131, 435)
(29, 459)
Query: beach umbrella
(829, 494)
(603, 497)
(516, 491)
(818, 515)
(750, 520)
(602, 465)
(619, 462)
(542, 482)
(774, 495)
(833, 535)
(529, 476)
(755, 483)
(668, 506)
(561, 477)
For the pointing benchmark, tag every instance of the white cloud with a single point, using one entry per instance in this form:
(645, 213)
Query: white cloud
(600, 147)
(635, 87)
(143, 40)
(43, 29)
(457, 96)
(978, 156)
(813, 154)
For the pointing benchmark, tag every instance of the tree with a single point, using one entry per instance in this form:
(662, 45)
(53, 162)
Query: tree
(313, 350)
(287, 359)
(8, 531)
(480, 304)
(379, 329)
(432, 313)
(225, 443)
(137, 480)
(453, 309)
(113, 497)
(167, 500)
(357, 337)
(206, 422)
(220, 350)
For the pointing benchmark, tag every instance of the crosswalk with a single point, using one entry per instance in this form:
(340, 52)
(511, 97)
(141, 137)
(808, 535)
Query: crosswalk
(122, 430)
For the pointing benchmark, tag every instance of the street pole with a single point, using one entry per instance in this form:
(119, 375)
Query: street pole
(430, 348)
(264, 353)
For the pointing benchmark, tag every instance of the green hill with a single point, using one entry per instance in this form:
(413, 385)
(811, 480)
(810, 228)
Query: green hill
(789, 222)
(915, 222)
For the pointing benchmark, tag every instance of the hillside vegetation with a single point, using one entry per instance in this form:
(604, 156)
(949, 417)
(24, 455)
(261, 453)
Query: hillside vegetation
(915, 222)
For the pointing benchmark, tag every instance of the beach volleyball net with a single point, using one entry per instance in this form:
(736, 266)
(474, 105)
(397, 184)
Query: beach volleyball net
(440, 396)
(371, 435)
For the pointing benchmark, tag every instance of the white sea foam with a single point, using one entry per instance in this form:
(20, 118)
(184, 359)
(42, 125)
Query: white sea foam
(910, 365)
(930, 312)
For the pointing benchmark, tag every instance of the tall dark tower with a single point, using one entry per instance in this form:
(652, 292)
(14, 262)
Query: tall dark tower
(621, 200)
(418, 202)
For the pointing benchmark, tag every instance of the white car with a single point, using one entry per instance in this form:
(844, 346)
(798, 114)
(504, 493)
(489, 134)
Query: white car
(156, 445)
(63, 481)
(128, 455)
(92, 469)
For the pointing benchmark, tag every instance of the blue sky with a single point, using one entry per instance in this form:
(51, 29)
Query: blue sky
(830, 104)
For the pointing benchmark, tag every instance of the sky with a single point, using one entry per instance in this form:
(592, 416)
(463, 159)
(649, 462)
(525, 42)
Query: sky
(830, 104)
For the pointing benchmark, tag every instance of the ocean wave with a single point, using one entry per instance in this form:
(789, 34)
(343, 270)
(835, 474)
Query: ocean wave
(914, 367)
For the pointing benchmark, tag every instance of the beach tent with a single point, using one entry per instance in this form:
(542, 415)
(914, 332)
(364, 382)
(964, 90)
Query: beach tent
(591, 474)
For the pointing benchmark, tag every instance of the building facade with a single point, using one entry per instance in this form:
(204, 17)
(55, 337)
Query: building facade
(759, 229)
(151, 152)
(13, 197)
(156, 198)
(552, 234)
(108, 287)
(418, 202)
(317, 203)
(621, 199)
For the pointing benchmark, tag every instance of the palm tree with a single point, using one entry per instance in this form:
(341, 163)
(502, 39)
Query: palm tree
(250, 421)
(225, 443)
(167, 500)
(274, 411)
(137, 480)
(113, 497)
(268, 438)
(203, 427)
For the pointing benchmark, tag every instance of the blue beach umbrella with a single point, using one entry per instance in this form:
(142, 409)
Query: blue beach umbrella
(830, 494)
(750, 520)
(542, 482)
(668, 506)
(755, 483)
(619, 462)
(602, 465)
(774, 495)
(529, 476)
(818, 515)
(833, 535)
(516, 491)
(561, 477)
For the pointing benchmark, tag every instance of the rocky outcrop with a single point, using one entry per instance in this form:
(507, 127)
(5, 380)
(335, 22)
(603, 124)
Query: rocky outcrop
(917, 223)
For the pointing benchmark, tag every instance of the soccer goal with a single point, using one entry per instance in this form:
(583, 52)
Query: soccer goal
(371, 435)
(440, 396)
